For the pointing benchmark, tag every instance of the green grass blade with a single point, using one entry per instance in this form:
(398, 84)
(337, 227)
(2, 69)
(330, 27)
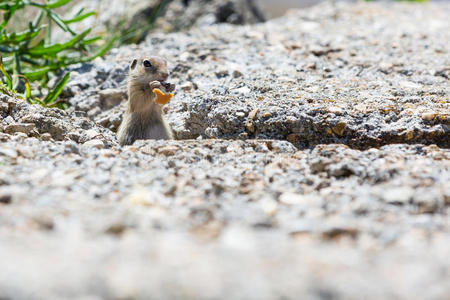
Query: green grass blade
(36, 4)
(8, 60)
(101, 51)
(17, 63)
(79, 12)
(30, 61)
(20, 36)
(38, 74)
(10, 5)
(6, 49)
(38, 19)
(10, 10)
(60, 23)
(57, 3)
(3, 71)
(54, 93)
(90, 41)
(79, 17)
(56, 48)
(27, 87)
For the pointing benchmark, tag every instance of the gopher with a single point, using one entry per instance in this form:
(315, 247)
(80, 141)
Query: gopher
(144, 118)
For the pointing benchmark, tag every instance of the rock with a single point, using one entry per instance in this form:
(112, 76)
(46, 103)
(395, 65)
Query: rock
(96, 143)
(49, 124)
(55, 124)
(293, 138)
(132, 148)
(110, 98)
(222, 73)
(335, 110)
(187, 86)
(3, 136)
(290, 198)
(270, 207)
(253, 113)
(75, 135)
(339, 128)
(19, 127)
(282, 147)
(5, 198)
(428, 116)
(168, 150)
(409, 85)
(237, 73)
(46, 136)
(148, 150)
(319, 164)
(71, 147)
(8, 152)
(8, 120)
(386, 67)
(26, 151)
(250, 126)
(4, 108)
(398, 195)
(89, 135)
(339, 232)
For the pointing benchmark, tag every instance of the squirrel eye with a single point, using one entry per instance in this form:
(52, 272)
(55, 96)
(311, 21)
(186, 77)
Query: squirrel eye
(147, 64)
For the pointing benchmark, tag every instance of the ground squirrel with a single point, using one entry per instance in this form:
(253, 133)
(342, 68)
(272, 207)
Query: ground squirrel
(143, 118)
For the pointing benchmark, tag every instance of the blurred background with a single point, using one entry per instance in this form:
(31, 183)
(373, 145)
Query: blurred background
(276, 8)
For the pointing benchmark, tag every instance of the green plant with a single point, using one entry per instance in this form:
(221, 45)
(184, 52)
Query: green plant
(32, 57)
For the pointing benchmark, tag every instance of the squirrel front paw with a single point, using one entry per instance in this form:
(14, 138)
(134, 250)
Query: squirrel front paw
(155, 85)
(162, 85)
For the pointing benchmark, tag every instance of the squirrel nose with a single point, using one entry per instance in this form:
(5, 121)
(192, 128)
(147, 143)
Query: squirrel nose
(164, 75)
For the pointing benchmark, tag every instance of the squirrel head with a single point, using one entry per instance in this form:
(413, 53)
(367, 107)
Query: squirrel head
(147, 69)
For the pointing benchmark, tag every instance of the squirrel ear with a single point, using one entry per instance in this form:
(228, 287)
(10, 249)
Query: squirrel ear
(133, 64)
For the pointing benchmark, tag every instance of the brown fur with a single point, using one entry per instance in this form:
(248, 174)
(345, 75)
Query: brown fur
(143, 118)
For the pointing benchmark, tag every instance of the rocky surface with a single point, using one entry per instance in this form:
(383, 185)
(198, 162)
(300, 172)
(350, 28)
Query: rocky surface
(19, 117)
(219, 219)
(271, 207)
(363, 75)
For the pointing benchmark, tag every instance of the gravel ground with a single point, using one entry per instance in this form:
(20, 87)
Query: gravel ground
(363, 75)
(295, 185)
